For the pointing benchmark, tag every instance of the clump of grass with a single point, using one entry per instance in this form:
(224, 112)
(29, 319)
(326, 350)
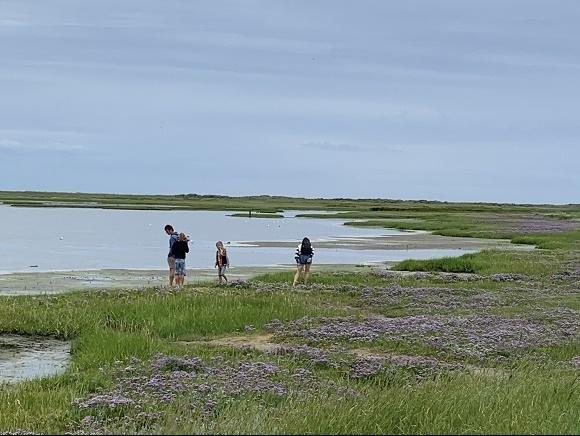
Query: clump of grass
(257, 215)
(449, 404)
(337, 278)
(488, 262)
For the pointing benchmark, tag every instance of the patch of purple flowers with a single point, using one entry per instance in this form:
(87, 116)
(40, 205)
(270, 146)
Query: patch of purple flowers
(187, 381)
(315, 356)
(469, 336)
(174, 363)
(110, 401)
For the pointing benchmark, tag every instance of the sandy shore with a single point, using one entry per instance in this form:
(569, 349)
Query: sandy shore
(414, 240)
(58, 282)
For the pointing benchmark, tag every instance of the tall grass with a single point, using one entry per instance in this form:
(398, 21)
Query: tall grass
(488, 262)
(111, 326)
(526, 402)
(197, 312)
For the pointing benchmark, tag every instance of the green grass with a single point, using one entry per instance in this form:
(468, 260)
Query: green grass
(166, 315)
(257, 215)
(323, 278)
(470, 404)
(488, 262)
(110, 326)
(266, 203)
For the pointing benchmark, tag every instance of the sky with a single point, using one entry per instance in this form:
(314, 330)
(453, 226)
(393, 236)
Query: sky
(447, 100)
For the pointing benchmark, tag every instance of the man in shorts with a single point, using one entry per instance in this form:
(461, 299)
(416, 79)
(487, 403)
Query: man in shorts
(173, 235)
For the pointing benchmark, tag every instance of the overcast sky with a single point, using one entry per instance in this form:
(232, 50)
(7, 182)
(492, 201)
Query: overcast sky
(446, 100)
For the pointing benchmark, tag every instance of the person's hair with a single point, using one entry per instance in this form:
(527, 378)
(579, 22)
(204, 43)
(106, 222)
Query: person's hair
(306, 247)
(169, 228)
(182, 237)
(220, 246)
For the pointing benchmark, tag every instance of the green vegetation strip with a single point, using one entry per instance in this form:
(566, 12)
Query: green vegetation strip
(116, 335)
(110, 329)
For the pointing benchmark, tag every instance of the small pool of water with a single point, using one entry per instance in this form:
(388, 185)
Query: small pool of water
(29, 357)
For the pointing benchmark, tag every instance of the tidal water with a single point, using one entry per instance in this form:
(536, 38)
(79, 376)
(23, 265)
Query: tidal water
(61, 239)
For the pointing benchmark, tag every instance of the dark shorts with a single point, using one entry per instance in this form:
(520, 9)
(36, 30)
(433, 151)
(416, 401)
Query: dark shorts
(171, 262)
(303, 259)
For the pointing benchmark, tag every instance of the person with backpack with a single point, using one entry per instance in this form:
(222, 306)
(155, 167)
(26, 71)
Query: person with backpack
(179, 250)
(221, 261)
(303, 256)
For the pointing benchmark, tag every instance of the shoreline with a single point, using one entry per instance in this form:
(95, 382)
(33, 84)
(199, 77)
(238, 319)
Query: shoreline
(410, 240)
(61, 281)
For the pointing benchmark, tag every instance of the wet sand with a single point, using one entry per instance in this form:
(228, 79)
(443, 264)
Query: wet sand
(412, 240)
(66, 281)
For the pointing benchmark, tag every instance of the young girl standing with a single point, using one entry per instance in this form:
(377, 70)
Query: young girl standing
(221, 261)
(303, 256)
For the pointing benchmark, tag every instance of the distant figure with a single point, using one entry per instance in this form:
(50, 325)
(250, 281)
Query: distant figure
(303, 256)
(178, 249)
(170, 258)
(221, 261)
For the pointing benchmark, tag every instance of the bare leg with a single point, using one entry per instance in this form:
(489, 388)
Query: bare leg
(171, 263)
(297, 274)
(306, 272)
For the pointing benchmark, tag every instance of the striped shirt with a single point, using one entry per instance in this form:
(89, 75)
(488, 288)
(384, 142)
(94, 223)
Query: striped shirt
(299, 251)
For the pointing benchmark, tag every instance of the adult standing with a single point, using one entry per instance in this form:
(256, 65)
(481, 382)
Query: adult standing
(173, 236)
(303, 256)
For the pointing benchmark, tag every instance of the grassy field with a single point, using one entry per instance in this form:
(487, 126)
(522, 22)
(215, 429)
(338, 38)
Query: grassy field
(487, 343)
(266, 203)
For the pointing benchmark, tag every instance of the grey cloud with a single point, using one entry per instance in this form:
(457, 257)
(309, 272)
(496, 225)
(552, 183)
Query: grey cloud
(407, 92)
(12, 145)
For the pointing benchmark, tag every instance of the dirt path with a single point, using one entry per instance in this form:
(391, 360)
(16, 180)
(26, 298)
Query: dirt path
(259, 342)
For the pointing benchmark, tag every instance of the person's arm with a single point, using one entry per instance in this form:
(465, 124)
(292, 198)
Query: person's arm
(172, 241)
(186, 247)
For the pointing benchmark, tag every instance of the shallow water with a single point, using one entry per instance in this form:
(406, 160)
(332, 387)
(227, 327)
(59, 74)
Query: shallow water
(27, 357)
(60, 239)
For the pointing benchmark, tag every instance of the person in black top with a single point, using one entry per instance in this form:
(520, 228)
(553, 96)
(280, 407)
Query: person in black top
(179, 250)
(303, 256)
